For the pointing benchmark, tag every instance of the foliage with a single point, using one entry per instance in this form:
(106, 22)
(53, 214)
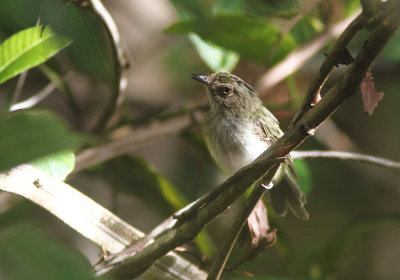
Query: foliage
(69, 47)
(27, 49)
(29, 254)
(30, 135)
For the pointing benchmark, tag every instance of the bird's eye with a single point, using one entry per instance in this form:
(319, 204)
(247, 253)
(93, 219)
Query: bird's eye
(227, 90)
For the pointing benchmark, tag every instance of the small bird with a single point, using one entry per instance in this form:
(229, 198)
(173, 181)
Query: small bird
(238, 128)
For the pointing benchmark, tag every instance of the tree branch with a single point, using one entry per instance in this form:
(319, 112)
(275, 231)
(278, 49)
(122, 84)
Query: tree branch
(331, 60)
(378, 161)
(90, 219)
(134, 140)
(181, 231)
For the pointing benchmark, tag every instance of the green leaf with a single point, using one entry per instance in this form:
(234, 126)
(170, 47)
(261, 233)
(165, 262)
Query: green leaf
(305, 29)
(26, 136)
(18, 14)
(326, 262)
(29, 254)
(228, 6)
(134, 176)
(193, 8)
(57, 165)
(91, 51)
(263, 9)
(253, 39)
(304, 175)
(215, 57)
(351, 6)
(27, 49)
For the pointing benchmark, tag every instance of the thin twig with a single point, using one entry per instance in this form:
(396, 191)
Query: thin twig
(385, 9)
(328, 64)
(35, 99)
(19, 87)
(378, 161)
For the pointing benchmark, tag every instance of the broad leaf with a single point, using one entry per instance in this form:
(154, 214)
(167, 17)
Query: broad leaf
(193, 8)
(91, 51)
(253, 39)
(263, 9)
(305, 29)
(57, 165)
(215, 57)
(26, 136)
(28, 254)
(27, 49)
(135, 177)
(327, 261)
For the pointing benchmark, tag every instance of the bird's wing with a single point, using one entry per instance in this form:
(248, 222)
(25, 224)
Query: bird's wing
(270, 134)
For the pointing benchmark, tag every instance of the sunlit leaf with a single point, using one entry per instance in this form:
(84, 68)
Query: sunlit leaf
(26, 136)
(28, 48)
(28, 254)
(57, 165)
(215, 57)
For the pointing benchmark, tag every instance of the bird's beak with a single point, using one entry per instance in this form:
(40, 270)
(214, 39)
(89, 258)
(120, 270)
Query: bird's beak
(201, 78)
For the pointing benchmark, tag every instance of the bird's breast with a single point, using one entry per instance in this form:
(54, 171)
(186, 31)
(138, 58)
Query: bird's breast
(232, 143)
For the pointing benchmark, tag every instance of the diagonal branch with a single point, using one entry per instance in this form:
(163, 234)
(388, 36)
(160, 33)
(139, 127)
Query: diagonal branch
(332, 58)
(90, 219)
(181, 231)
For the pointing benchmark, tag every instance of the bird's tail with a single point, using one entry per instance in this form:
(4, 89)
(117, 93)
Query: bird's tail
(287, 195)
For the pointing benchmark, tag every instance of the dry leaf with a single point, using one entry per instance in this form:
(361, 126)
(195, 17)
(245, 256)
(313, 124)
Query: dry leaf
(261, 237)
(256, 235)
(370, 96)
